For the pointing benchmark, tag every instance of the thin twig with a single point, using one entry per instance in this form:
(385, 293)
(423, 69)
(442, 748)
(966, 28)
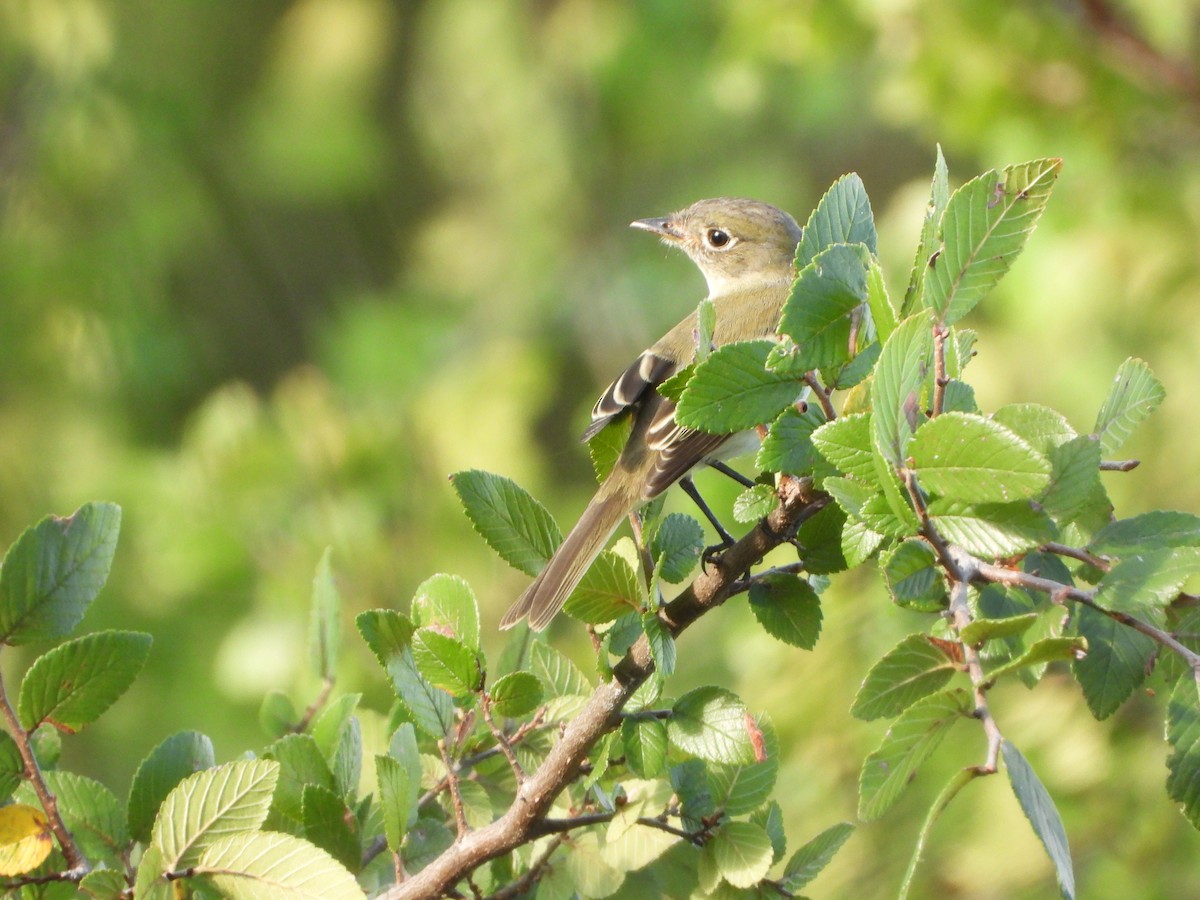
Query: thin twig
(790, 569)
(460, 817)
(940, 332)
(314, 707)
(77, 863)
(531, 877)
(1096, 562)
(960, 614)
(485, 703)
(818, 389)
(1119, 465)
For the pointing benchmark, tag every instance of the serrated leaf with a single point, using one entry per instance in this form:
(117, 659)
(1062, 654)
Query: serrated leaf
(1183, 734)
(843, 216)
(54, 571)
(676, 547)
(508, 518)
(788, 609)
(516, 694)
(1047, 650)
(1115, 664)
(817, 315)
(912, 669)
(262, 865)
(904, 363)
(446, 662)
(739, 789)
(645, 742)
(428, 839)
(711, 723)
(300, 764)
(859, 542)
(914, 578)
(807, 862)
(819, 542)
(71, 685)
(397, 799)
(788, 446)
(976, 460)
(211, 805)
(1075, 477)
(755, 503)
(939, 196)
(12, 766)
(277, 714)
(743, 853)
(991, 530)
(770, 819)
(911, 740)
(590, 874)
(608, 590)
(324, 624)
(91, 812)
(328, 825)
(25, 839)
(883, 312)
(429, 707)
(387, 632)
(1134, 395)
(983, 230)
(846, 443)
(558, 675)
(447, 603)
(1039, 426)
(180, 755)
(1149, 531)
(1147, 580)
(1043, 816)
(662, 643)
(104, 884)
(733, 390)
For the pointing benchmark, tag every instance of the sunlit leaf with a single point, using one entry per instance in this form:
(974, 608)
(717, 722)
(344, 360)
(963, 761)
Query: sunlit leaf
(507, 516)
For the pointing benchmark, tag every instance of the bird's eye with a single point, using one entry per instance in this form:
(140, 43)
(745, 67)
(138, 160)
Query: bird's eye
(717, 238)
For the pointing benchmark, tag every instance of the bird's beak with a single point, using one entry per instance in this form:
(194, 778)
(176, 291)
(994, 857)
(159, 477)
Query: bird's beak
(662, 227)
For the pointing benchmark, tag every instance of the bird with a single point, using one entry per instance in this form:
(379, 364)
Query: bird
(746, 251)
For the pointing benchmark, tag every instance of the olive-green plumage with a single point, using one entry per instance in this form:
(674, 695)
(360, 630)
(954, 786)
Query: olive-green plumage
(746, 251)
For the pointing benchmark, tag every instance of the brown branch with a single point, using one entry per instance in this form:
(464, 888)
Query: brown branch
(314, 707)
(601, 712)
(76, 861)
(1096, 562)
(822, 395)
(1119, 465)
(960, 614)
(460, 817)
(523, 884)
(940, 333)
(485, 703)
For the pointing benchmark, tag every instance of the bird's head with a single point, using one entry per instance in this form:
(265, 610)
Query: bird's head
(733, 241)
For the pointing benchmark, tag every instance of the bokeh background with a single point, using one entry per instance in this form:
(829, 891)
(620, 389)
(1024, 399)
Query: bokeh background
(270, 271)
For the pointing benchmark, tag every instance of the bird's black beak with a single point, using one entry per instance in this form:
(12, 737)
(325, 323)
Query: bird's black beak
(661, 226)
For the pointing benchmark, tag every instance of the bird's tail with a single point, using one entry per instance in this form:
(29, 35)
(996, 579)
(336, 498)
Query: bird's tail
(550, 590)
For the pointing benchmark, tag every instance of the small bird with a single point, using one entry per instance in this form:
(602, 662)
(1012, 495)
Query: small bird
(746, 251)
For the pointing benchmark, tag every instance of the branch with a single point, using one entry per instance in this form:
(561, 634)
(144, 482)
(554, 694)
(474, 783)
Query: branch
(940, 333)
(818, 389)
(1138, 54)
(601, 712)
(961, 617)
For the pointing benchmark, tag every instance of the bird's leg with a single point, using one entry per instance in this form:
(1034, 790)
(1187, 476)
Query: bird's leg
(727, 539)
(730, 473)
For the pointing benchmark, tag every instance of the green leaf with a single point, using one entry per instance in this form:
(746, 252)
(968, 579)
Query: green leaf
(982, 630)
(755, 503)
(991, 530)
(427, 839)
(1042, 815)
(71, 685)
(210, 805)
(1039, 426)
(1075, 478)
(911, 740)
(711, 723)
(54, 571)
(706, 324)
(676, 547)
(846, 443)
(446, 662)
(327, 824)
(558, 675)
(883, 313)
(842, 217)
(590, 875)
(300, 763)
(819, 542)
(397, 799)
(807, 862)
(859, 542)
(914, 668)
(913, 577)
(103, 884)
(739, 789)
(512, 522)
(1149, 531)
(788, 446)
(609, 589)
(662, 644)
(788, 609)
(253, 866)
(983, 230)
(149, 884)
(733, 391)
(939, 196)
(1115, 663)
(277, 714)
(180, 755)
(516, 694)
(12, 766)
(339, 738)
(1183, 734)
(906, 360)
(770, 819)
(1051, 649)
(742, 852)
(645, 741)
(91, 812)
(447, 603)
(1134, 395)
(817, 315)
(976, 460)
(429, 707)
(324, 624)
(606, 446)
(1147, 580)
(387, 632)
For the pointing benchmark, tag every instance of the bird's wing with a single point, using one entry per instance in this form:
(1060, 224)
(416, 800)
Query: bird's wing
(677, 449)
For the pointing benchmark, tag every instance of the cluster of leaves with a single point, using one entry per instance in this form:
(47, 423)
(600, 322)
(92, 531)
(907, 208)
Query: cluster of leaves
(996, 526)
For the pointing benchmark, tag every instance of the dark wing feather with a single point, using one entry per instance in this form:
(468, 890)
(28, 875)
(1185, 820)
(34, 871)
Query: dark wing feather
(647, 372)
(678, 449)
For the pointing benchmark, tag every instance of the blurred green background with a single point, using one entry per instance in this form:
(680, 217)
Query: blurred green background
(270, 271)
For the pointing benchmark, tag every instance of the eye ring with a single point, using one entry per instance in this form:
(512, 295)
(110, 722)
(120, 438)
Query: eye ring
(718, 238)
